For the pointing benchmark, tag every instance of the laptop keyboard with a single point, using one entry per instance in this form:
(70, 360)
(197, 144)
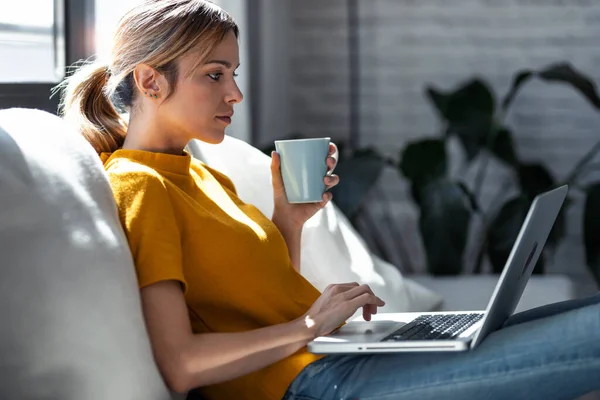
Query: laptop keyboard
(439, 327)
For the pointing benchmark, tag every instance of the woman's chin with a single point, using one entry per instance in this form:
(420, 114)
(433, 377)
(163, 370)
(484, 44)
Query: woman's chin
(215, 137)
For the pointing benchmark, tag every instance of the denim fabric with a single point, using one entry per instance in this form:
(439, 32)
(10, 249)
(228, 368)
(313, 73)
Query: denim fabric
(551, 352)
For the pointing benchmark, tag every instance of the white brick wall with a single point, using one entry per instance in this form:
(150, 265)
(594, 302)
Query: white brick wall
(406, 44)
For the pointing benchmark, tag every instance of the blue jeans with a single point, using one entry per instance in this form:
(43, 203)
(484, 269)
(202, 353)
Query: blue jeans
(551, 352)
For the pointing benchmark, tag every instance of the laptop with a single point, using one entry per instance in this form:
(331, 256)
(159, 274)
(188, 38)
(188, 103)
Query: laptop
(460, 330)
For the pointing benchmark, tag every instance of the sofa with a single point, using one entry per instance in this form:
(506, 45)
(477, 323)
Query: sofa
(72, 326)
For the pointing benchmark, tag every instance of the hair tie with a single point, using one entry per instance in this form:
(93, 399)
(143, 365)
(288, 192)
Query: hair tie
(107, 71)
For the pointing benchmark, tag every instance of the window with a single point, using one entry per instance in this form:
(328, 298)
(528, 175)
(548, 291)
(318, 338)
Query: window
(37, 39)
(32, 41)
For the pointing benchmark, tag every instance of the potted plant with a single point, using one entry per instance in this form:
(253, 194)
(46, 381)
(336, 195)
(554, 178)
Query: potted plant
(471, 114)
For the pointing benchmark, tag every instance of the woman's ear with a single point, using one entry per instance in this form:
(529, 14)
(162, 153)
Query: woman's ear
(149, 82)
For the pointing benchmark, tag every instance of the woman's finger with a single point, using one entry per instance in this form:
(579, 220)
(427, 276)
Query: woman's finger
(348, 284)
(364, 299)
(366, 313)
(327, 196)
(345, 285)
(331, 163)
(331, 181)
(358, 291)
(362, 296)
(373, 309)
(333, 151)
(276, 172)
(370, 308)
(332, 158)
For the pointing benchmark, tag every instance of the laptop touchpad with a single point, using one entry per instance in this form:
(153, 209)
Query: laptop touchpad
(365, 330)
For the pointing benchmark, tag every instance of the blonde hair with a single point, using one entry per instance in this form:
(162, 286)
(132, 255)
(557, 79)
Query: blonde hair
(156, 33)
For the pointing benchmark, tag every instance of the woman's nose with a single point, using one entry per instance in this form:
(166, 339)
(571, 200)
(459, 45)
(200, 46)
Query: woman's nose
(235, 94)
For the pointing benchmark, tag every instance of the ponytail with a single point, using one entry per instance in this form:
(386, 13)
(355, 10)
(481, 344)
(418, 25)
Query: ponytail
(86, 104)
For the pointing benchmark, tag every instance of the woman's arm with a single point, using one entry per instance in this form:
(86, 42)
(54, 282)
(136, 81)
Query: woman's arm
(188, 360)
(293, 238)
(289, 218)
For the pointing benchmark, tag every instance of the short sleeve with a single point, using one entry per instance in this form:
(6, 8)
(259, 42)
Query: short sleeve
(147, 216)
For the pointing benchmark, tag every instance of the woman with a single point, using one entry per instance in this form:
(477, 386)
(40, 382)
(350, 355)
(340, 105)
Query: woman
(225, 306)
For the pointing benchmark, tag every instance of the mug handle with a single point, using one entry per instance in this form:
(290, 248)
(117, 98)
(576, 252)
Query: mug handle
(335, 156)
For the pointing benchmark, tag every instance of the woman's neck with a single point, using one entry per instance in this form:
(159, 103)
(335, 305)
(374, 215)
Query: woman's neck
(148, 134)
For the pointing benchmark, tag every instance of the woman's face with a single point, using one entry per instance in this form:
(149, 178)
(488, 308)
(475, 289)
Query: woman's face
(202, 105)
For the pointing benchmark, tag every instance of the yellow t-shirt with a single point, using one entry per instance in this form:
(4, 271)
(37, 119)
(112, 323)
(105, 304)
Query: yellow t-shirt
(184, 222)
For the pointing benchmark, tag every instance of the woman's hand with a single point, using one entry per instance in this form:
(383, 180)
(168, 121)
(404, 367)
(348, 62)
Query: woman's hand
(293, 216)
(337, 303)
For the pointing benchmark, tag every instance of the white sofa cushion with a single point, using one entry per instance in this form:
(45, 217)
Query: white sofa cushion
(473, 292)
(332, 250)
(72, 326)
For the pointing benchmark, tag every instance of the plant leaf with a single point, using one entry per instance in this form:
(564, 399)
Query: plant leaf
(473, 135)
(438, 99)
(564, 72)
(469, 112)
(360, 173)
(503, 232)
(444, 224)
(534, 179)
(591, 229)
(424, 161)
(473, 97)
(503, 146)
(414, 191)
(519, 80)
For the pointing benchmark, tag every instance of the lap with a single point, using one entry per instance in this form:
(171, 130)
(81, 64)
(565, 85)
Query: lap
(550, 352)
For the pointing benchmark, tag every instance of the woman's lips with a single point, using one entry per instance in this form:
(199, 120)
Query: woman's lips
(227, 120)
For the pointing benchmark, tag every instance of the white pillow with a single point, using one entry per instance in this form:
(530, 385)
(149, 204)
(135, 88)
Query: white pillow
(332, 250)
(71, 324)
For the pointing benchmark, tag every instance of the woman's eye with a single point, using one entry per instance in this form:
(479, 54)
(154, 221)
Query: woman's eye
(216, 76)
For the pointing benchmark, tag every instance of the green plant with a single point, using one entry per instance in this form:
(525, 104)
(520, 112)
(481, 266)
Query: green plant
(471, 114)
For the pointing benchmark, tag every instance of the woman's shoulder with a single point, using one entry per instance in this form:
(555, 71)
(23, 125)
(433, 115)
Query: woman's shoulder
(130, 175)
